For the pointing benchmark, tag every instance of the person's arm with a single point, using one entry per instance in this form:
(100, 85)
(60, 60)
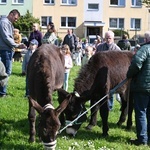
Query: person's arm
(40, 38)
(6, 35)
(137, 63)
(69, 64)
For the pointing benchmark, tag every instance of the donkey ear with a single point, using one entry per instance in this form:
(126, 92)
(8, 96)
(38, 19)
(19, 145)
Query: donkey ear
(62, 94)
(63, 105)
(34, 104)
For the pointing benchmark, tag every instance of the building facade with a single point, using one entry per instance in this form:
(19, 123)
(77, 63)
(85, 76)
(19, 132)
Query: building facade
(86, 17)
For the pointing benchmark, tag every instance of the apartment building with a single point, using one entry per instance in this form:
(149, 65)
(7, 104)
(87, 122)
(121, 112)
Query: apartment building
(127, 15)
(86, 17)
(22, 5)
(64, 13)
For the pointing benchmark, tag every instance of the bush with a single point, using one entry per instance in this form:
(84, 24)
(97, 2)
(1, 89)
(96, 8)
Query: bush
(120, 33)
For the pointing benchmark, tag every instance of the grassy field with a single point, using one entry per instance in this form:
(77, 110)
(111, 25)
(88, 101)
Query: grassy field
(14, 126)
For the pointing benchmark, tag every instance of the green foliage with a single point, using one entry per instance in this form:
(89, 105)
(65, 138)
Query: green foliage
(120, 33)
(14, 126)
(146, 2)
(24, 24)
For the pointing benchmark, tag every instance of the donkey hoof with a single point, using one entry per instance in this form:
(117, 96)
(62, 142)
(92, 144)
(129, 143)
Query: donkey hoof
(119, 123)
(31, 140)
(89, 127)
(105, 135)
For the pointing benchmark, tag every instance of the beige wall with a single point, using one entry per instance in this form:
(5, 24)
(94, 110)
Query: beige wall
(127, 13)
(57, 11)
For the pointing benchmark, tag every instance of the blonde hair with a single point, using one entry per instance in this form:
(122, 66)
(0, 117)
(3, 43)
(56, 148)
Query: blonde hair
(90, 49)
(65, 46)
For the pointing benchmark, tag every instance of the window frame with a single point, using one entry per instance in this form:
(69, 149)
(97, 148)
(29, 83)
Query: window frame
(48, 19)
(118, 23)
(67, 2)
(119, 3)
(50, 2)
(96, 9)
(16, 2)
(67, 22)
(133, 4)
(3, 2)
(133, 23)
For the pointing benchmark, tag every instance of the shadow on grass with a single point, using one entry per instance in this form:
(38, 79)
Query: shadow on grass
(12, 131)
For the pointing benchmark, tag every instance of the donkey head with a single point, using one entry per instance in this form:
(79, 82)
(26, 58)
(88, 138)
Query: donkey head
(49, 123)
(74, 109)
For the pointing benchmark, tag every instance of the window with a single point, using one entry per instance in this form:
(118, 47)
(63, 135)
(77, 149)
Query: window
(117, 2)
(49, 1)
(136, 3)
(68, 21)
(69, 2)
(93, 6)
(116, 23)
(3, 1)
(45, 20)
(135, 23)
(17, 1)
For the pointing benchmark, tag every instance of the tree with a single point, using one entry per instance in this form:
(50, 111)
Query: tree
(24, 24)
(146, 2)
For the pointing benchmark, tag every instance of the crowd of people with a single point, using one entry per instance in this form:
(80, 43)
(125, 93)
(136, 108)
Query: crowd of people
(78, 52)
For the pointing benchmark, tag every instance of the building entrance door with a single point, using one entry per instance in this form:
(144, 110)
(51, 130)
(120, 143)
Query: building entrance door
(93, 31)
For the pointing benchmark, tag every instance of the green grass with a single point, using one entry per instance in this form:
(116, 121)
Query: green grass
(14, 126)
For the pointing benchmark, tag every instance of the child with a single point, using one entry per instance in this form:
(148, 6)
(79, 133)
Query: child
(17, 38)
(68, 65)
(32, 47)
(88, 55)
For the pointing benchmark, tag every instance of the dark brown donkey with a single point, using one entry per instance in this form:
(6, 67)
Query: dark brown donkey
(45, 73)
(103, 72)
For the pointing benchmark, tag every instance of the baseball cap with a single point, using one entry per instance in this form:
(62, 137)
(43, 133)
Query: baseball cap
(34, 42)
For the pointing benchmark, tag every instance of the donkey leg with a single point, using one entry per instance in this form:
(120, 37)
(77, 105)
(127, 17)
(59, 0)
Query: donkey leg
(104, 112)
(31, 118)
(123, 109)
(93, 119)
(130, 111)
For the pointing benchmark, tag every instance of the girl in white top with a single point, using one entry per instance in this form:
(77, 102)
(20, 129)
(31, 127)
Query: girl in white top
(68, 65)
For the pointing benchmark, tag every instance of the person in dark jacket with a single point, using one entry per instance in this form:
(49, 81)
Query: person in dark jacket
(124, 44)
(139, 72)
(71, 40)
(36, 34)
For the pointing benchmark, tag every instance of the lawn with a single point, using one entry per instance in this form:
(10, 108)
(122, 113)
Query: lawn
(14, 127)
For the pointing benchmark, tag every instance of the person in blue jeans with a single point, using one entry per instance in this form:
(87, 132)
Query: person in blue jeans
(7, 44)
(139, 72)
(32, 48)
(108, 45)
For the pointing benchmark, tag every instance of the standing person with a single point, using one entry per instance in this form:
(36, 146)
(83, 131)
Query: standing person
(50, 36)
(88, 55)
(71, 40)
(35, 34)
(78, 53)
(108, 45)
(17, 38)
(124, 44)
(68, 65)
(7, 43)
(32, 47)
(139, 72)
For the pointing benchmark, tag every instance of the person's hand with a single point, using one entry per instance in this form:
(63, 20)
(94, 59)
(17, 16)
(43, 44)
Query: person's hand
(22, 46)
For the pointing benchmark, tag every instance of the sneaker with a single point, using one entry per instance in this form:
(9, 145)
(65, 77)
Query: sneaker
(136, 142)
(3, 95)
